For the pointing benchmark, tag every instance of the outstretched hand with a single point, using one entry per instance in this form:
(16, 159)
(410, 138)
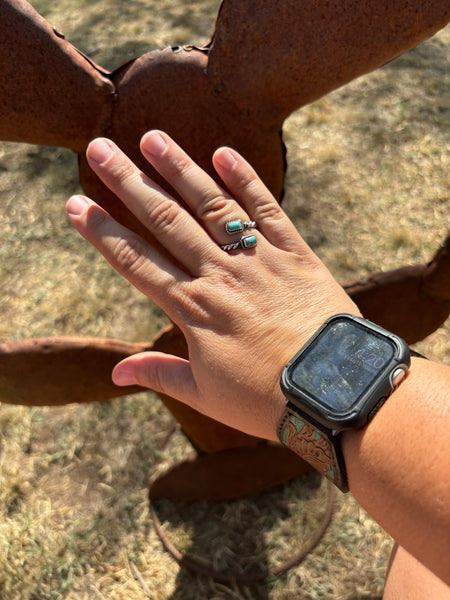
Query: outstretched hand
(245, 312)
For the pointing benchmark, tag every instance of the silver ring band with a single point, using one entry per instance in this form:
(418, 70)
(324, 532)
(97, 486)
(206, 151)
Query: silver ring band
(238, 226)
(246, 242)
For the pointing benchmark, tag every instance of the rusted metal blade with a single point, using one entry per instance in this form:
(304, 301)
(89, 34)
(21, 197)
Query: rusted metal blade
(271, 58)
(50, 93)
(411, 301)
(54, 371)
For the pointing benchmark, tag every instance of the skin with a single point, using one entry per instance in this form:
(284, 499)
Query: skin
(409, 579)
(245, 313)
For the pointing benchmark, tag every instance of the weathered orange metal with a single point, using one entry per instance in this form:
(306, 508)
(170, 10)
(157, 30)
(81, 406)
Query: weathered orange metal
(50, 94)
(422, 293)
(265, 60)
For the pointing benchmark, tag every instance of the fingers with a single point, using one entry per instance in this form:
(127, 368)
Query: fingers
(191, 241)
(211, 205)
(243, 182)
(147, 269)
(172, 225)
(163, 373)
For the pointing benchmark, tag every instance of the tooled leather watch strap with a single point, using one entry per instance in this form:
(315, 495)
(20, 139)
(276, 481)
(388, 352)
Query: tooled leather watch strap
(315, 444)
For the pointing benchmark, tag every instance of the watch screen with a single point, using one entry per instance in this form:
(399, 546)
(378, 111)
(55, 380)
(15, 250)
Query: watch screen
(341, 364)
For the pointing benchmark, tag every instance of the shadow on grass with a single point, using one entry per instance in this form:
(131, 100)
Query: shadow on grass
(243, 538)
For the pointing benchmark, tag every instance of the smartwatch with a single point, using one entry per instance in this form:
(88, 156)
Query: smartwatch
(338, 381)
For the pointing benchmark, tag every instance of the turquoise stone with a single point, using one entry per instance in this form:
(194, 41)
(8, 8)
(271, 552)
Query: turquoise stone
(248, 241)
(234, 226)
(297, 423)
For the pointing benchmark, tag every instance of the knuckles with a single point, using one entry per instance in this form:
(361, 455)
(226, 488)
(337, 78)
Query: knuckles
(213, 206)
(269, 212)
(161, 215)
(122, 173)
(129, 255)
(178, 168)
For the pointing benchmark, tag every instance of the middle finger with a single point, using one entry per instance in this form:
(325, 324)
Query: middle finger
(211, 204)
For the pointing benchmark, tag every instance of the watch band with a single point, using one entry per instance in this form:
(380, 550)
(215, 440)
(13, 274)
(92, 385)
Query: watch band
(315, 444)
(417, 354)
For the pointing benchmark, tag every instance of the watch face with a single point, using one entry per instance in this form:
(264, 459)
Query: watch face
(341, 364)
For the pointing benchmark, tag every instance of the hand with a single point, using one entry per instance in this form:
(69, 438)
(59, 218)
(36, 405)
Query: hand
(244, 313)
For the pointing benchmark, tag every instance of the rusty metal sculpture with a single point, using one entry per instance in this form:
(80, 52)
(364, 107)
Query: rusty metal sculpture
(236, 90)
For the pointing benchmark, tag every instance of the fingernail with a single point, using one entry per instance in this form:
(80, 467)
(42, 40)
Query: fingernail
(226, 159)
(121, 377)
(99, 150)
(155, 144)
(76, 205)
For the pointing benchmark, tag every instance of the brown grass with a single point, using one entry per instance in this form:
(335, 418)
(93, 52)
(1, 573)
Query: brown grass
(368, 187)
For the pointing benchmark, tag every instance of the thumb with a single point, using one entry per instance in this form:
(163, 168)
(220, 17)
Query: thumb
(164, 373)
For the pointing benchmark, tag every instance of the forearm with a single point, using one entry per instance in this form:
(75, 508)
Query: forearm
(399, 465)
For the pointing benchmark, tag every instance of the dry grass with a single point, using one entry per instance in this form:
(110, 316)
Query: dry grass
(368, 187)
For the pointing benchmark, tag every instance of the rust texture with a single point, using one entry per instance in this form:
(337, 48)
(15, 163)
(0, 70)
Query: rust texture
(50, 93)
(186, 107)
(421, 293)
(300, 50)
(52, 371)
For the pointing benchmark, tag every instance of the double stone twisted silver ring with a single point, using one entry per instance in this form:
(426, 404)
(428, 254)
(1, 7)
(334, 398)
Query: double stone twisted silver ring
(238, 226)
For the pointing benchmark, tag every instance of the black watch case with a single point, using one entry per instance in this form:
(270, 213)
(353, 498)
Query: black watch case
(345, 372)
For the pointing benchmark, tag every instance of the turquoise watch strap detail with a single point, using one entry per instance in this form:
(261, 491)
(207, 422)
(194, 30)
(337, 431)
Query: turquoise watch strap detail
(315, 444)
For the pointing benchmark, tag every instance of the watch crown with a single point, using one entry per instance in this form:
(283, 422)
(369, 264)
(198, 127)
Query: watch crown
(398, 375)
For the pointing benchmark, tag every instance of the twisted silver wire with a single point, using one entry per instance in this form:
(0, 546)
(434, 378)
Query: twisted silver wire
(234, 246)
(249, 224)
(242, 243)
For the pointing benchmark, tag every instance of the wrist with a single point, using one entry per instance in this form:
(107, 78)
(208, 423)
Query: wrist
(397, 466)
(364, 448)
(336, 382)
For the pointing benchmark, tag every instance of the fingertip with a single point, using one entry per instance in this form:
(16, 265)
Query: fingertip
(123, 376)
(225, 158)
(161, 372)
(77, 205)
(100, 150)
(154, 143)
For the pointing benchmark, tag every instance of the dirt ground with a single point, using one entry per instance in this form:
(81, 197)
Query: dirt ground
(367, 185)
